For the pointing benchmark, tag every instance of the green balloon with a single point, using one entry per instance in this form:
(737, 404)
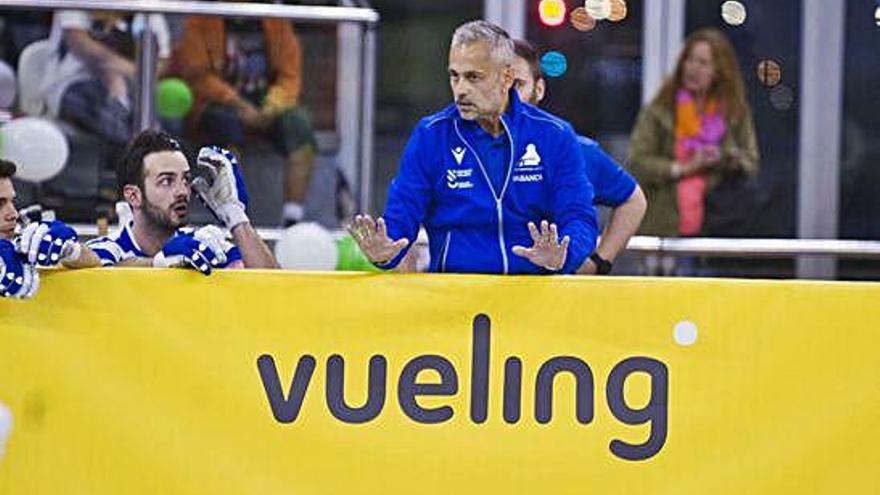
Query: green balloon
(174, 99)
(351, 258)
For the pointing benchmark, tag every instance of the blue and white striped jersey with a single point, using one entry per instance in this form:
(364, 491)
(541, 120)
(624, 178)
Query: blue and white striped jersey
(122, 246)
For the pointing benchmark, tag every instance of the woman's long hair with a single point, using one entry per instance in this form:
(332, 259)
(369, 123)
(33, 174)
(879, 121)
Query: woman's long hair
(728, 86)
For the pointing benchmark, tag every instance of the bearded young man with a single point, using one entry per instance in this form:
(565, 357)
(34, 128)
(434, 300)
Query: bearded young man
(156, 179)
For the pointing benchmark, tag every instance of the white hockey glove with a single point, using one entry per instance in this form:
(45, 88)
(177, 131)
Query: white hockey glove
(220, 185)
(48, 243)
(213, 237)
(184, 250)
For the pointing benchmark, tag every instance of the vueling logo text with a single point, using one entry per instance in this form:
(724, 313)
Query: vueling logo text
(286, 409)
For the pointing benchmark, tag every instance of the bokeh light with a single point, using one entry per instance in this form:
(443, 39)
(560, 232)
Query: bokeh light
(618, 11)
(552, 12)
(733, 12)
(581, 20)
(598, 9)
(782, 97)
(769, 72)
(554, 64)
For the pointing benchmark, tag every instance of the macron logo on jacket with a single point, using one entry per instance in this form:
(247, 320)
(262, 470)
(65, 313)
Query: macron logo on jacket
(458, 153)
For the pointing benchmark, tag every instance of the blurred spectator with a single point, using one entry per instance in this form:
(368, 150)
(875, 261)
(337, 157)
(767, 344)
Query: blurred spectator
(91, 81)
(696, 133)
(247, 77)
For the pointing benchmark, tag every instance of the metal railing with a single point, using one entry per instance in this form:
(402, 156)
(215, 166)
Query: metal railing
(747, 248)
(307, 13)
(360, 160)
(698, 246)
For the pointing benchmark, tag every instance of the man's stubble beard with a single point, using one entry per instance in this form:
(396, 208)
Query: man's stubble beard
(159, 219)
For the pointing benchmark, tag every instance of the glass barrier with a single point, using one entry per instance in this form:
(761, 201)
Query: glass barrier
(595, 80)
(412, 59)
(860, 133)
(766, 39)
(266, 87)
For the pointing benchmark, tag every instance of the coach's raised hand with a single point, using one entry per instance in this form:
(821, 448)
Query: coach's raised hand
(547, 251)
(372, 237)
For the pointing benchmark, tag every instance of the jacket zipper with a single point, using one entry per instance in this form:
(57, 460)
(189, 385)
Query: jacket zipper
(498, 198)
(445, 252)
(501, 241)
(501, 234)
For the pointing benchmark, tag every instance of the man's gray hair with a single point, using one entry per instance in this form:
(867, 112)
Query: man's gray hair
(500, 44)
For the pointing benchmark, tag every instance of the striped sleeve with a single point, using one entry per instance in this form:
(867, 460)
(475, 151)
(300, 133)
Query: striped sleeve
(109, 251)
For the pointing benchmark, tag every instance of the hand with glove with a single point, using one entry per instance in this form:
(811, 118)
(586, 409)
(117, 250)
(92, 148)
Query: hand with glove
(18, 278)
(213, 237)
(48, 243)
(185, 250)
(220, 185)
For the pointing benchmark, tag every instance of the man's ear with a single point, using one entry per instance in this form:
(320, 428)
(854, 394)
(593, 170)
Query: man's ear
(133, 195)
(540, 88)
(507, 77)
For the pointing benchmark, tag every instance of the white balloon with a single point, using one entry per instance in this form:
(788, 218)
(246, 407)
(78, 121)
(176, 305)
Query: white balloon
(36, 146)
(8, 85)
(5, 427)
(306, 246)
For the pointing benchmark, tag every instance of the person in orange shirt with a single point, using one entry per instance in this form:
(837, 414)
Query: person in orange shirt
(246, 76)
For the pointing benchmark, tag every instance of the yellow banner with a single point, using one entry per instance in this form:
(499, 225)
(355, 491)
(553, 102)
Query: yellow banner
(139, 381)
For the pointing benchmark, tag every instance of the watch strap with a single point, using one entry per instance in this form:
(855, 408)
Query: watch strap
(603, 266)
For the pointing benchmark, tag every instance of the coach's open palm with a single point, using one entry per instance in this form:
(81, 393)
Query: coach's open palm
(547, 251)
(372, 237)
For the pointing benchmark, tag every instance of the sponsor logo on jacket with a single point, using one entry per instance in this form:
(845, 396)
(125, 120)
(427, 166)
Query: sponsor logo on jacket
(528, 168)
(459, 178)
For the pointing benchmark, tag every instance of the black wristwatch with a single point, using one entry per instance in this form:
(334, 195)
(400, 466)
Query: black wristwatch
(603, 266)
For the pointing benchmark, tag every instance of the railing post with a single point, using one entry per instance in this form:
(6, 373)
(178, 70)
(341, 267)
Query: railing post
(509, 14)
(662, 35)
(147, 49)
(368, 102)
(349, 105)
(820, 118)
